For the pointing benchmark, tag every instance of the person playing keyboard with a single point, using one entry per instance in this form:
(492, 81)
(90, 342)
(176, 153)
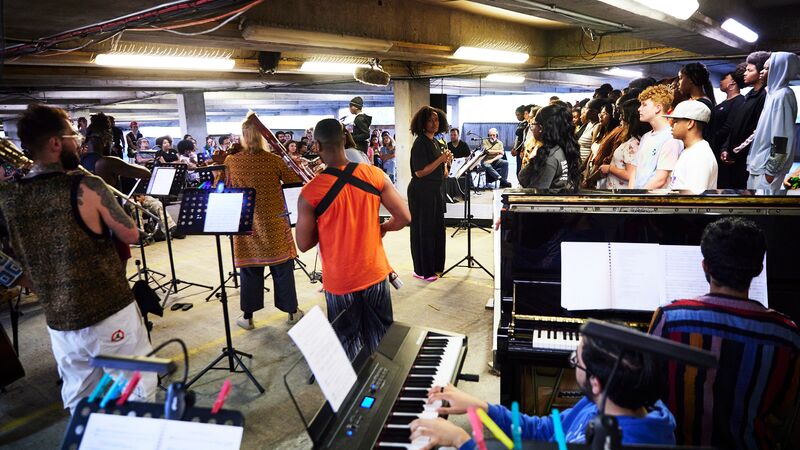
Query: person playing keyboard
(632, 398)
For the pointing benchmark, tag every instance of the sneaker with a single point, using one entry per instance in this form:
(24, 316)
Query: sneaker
(295, 316)
(247, 324)
(159, 236)
(429, 279)
(505, 184)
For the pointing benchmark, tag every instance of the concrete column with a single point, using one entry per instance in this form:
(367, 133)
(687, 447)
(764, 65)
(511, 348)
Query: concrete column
(453, 118)
(192, 115)
(409, 97)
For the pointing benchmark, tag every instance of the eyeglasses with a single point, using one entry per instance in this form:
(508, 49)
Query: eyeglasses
(75, 135)
(573, 361)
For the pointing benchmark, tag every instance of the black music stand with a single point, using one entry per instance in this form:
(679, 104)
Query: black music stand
(476, 158)
(197, 207)
(466, 222)
(167, 180)
(207, 175)
(142, 271)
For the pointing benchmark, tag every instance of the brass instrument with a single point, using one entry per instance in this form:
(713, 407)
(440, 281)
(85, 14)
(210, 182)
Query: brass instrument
(14, 156)
(305, 173)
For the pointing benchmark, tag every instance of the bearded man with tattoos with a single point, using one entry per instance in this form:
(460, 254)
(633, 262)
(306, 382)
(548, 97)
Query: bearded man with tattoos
(60, 224)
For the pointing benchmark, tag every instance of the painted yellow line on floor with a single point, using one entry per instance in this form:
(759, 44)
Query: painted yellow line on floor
(24, 420)
(236, 331)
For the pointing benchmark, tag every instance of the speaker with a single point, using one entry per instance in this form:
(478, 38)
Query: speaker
(439, 101)
(268, 61)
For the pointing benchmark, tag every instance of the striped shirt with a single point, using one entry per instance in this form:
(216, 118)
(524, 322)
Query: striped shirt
(743, 402)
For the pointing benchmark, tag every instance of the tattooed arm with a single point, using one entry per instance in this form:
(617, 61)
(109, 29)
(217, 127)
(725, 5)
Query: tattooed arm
(98, 206)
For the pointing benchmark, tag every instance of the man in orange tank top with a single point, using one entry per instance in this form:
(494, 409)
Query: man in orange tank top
(339, 210)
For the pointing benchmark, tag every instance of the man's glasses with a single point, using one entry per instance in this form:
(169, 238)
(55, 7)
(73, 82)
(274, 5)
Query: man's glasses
(573, 361)
(75, 135)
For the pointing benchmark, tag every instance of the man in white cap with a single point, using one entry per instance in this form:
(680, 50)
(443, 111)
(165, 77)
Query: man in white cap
(696, 169)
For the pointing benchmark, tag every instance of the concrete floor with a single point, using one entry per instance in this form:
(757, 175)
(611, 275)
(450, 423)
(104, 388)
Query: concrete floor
(31, 414)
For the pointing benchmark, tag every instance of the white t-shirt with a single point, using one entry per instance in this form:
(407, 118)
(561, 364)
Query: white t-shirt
(624, 154)
(657, 151)
(696, 169)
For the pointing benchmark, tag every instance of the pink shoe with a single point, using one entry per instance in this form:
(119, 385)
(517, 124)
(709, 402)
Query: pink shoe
(429, 279)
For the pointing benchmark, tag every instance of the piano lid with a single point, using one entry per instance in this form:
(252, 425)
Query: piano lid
(658, 197)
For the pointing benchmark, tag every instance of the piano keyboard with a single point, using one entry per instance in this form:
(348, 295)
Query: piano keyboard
(435, 365)
(555, 334)
(392, 390)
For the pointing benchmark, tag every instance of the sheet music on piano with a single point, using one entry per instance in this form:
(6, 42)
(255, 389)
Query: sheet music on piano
(315, 338)
(636, 276)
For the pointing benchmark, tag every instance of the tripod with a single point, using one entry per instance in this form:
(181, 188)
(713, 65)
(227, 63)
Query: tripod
(143, 273)
(469, 259)
(228, 352)
(172, 285)
(466, 222)
(234, 274)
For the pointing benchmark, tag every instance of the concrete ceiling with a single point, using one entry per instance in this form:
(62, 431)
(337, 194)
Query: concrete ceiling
(570, 43)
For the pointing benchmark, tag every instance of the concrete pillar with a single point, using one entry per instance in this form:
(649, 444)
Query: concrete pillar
(452, 116)
(192, 115)
(409, 97)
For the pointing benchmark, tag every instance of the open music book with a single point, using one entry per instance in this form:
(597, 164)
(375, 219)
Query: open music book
(634, 276)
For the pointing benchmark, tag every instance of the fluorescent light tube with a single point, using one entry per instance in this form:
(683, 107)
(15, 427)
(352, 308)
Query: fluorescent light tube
(623, 73)
(505, 78)
(329, 67)
(680, 9)
(142, 61)
(737, 29)
(490, 55)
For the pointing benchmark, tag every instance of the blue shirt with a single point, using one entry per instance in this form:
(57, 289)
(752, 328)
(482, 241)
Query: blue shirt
(657, 427)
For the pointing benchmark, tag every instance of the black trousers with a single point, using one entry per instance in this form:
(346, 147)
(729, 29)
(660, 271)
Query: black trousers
(252, 289)
(365, 317)
(427, 227)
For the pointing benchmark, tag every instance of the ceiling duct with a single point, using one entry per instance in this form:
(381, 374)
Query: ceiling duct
(374, 75)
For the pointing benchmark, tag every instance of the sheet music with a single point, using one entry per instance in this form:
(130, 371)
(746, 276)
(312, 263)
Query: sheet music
(684, 276)
(292, 195)
(457, 163)
(223, 213)
(161, 181)
(585, 276)
(636, 275)
(104, 431)
(315, 338)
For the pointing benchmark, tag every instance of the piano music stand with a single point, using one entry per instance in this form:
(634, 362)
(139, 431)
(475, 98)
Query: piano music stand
(477, 157)
(193, 220)
(156, 190)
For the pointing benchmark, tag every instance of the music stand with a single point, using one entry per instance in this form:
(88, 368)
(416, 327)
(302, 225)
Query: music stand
(228, 212)
(167, 181)
(457, 173)
(476, 158)
(143, 272)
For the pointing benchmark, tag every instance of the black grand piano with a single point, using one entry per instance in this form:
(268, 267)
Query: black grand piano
(536, 335)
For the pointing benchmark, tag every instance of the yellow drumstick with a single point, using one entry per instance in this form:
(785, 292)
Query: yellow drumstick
(496, 431)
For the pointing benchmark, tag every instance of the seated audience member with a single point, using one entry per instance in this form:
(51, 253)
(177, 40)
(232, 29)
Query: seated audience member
(459, 148)
(556, 164)
(155, 206)
(495, 164)
(696, 169)
(747, 400)
(632, 398)
(658, 150)
(165, 153)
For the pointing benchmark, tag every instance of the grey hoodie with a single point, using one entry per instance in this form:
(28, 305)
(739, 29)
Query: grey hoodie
(777, 118)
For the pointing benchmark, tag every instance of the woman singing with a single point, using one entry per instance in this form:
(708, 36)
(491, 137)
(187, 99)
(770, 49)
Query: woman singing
(425, 200)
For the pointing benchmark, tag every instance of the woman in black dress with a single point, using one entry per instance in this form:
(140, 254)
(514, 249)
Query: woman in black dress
(428, 158)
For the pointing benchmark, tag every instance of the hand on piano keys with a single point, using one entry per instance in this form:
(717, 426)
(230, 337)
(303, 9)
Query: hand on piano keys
(436, 364)
(458, 400)
(438, 432)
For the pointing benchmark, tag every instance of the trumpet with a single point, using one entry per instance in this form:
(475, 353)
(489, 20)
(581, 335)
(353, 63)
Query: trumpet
(11, 154)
